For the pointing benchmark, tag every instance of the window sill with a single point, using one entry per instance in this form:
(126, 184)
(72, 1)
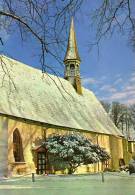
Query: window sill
(19, 163)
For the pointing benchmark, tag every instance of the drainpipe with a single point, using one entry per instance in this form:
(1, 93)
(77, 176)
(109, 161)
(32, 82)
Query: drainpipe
(97, 143)
(44, 137)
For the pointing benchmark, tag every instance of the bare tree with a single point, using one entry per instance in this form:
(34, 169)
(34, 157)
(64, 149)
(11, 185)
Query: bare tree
(122, 115)
(43, 20)
(132, 110)
(46, 21)
(116, 15)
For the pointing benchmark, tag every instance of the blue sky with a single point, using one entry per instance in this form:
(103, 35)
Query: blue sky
(109, 74)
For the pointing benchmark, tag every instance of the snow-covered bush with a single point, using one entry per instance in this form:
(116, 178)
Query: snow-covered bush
(72, 150)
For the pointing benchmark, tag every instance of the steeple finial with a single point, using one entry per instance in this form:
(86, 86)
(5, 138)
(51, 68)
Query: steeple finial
(72, 51)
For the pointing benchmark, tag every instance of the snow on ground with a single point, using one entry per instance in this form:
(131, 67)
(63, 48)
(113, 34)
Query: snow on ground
(115, 184)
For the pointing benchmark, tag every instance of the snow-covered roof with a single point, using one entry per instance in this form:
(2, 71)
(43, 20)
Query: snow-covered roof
(26, 93)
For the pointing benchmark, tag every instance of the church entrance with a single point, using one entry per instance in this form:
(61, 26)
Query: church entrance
(41, 163)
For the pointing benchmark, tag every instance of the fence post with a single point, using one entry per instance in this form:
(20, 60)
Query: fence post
(33, 177)
(103, 179)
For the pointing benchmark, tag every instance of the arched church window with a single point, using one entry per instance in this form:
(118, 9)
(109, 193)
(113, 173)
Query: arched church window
(72, 70)
(17, 146)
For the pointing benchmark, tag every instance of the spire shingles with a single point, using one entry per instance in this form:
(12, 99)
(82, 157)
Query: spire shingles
(72, 51)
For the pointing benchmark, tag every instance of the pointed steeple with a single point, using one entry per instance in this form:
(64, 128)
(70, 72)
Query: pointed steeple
(72, 61)
(72, 51)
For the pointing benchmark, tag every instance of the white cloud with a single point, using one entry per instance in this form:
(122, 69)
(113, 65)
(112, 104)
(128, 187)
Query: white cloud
(89, 80)
(118, 81)
(132, 79)
(130, 101)
(119, 90)
(133, 74)
(129, 88)
(119, 96)
(126, 94)
(103, 78)
(108, 88)
(118, 76)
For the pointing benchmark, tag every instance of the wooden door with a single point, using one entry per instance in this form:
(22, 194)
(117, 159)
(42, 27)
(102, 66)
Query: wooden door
(40, 163)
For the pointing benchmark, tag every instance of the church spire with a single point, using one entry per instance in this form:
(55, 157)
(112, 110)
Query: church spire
(72, 51)
(72, 61)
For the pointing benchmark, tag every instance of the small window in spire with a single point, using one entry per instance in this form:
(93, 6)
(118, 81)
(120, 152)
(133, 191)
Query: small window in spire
(72, 70)
(77, 70)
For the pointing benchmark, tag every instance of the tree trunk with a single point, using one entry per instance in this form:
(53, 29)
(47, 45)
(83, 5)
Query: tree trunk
(71, 169)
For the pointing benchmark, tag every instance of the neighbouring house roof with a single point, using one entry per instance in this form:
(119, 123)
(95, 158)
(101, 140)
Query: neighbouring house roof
(26, 93)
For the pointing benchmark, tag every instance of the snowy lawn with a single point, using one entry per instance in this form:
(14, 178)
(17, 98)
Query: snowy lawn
(115, 184)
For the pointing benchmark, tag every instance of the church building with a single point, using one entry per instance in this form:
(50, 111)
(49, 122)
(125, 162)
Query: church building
(34, 106)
